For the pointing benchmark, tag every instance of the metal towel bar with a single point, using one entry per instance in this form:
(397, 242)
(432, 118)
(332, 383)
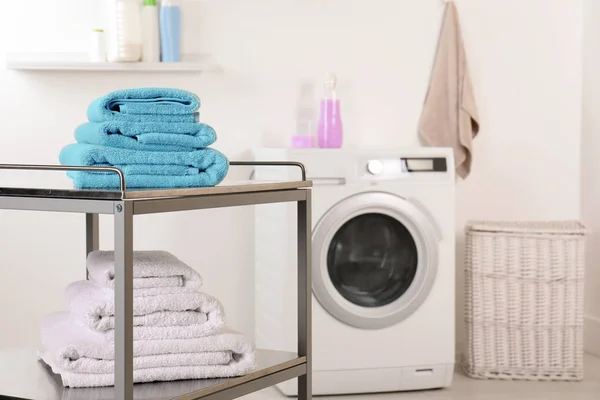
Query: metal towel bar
(122, 183)
(68, 168)
(271, 164)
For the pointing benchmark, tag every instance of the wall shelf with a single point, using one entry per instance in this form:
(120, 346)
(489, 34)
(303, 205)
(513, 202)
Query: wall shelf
(192, 63)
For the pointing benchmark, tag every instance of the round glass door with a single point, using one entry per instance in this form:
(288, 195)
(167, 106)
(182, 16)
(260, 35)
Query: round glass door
(374, 260)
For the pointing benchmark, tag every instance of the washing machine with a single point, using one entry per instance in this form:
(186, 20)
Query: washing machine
(383, 259)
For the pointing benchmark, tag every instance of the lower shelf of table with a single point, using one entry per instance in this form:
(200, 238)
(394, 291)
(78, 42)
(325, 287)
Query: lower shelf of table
(22, 376)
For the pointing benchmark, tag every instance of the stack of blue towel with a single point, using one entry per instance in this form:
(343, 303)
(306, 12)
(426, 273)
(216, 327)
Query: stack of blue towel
(152, 135)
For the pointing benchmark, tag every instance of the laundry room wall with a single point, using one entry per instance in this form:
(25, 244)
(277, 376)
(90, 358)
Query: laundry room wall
(590, 175)
(525, 58)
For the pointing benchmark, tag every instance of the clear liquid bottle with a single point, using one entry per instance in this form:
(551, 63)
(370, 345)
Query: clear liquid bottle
(305, 116)
(330, 130)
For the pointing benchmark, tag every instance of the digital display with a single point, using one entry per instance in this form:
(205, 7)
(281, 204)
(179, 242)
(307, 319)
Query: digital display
(419, 165)
(424, 164)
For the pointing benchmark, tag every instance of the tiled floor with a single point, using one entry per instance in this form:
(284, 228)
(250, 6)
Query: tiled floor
(465, 388)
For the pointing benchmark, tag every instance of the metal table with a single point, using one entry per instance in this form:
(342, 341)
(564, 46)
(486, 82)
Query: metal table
(23, 377)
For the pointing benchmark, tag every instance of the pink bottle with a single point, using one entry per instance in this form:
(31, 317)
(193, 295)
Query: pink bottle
(330, 131)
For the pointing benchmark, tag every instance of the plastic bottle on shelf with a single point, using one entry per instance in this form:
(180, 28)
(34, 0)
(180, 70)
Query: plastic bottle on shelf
(125, 32)
(150, 32)
(97, 50)
(170, 30)
(305, 116)
(330, 129)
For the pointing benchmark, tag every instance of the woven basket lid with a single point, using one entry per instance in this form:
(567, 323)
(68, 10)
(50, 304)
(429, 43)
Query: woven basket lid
(543, 227)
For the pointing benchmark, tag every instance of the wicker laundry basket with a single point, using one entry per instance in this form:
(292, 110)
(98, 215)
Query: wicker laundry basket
(524, 300)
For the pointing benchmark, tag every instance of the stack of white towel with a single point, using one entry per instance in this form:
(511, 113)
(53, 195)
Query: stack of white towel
(179, 333)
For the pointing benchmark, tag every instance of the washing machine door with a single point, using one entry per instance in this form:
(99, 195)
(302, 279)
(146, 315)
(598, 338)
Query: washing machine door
(375, 258)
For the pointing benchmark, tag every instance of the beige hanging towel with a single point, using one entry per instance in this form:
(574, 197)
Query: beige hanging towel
(450, 117)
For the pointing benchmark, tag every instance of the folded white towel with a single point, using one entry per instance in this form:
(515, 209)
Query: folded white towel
(151, 269)
(164, 374)
(179, 315)
(85, 359)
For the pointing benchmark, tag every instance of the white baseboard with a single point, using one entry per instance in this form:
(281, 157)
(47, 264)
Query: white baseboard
(592, 335)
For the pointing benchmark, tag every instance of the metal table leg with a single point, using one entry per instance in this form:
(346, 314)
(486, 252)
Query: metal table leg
(123, 300)
(304, 296)
(92, 235)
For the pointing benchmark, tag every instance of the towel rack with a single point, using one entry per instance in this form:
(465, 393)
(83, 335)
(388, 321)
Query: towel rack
(122, 192)
(23, 377)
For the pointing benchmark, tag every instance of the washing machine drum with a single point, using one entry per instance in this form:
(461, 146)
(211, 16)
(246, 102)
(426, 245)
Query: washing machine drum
(374, 259)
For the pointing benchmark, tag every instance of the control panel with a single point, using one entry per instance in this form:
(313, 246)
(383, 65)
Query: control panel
(394, 167)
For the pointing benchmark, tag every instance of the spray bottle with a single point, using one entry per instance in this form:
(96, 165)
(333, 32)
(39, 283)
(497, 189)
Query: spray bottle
(330, 130)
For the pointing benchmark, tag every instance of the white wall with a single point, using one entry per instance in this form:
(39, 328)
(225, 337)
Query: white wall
(590, 194)
(525, 60)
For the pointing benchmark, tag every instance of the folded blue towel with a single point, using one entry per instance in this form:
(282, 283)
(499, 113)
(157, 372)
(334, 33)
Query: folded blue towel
(211, 165)
(149, 169)
(145, 105)
(89, 154)
(87, 180)
(147, 136)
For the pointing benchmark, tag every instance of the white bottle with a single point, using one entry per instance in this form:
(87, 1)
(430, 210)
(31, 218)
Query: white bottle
(97, 51)
(150, 32)
(125, 31)
(305, 116)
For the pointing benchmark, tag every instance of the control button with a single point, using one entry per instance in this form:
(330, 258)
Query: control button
(375, 167)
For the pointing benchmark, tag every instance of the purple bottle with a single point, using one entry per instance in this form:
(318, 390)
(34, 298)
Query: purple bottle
(330, 131)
